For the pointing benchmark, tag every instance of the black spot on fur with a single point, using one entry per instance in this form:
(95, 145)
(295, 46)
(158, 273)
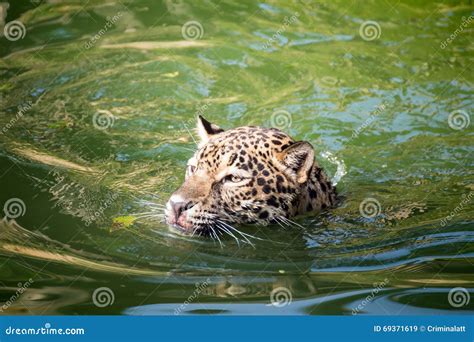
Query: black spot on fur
(294, 202)
(272, 202)
(318, 174)
(232, 159)
(279, 136)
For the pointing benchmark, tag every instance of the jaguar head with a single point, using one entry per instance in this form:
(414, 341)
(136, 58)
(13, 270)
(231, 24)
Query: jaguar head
(245, 175)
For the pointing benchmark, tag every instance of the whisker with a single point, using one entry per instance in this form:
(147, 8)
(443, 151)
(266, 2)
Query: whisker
(149, 216)
(141, 200)
(292, 222)
(278, 220)
(145, 215)
(160, 206)
(146, 212)
(244, 235)
(229, 233)
(150, 203)
(217, 236)
(238, 231)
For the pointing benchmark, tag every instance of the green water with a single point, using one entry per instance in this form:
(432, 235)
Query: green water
(102, 133)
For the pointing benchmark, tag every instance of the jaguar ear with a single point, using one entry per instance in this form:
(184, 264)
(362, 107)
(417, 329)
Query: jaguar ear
(206, 130)
(298, 160)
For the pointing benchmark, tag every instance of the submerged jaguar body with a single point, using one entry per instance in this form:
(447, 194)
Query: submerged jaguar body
(250, 175)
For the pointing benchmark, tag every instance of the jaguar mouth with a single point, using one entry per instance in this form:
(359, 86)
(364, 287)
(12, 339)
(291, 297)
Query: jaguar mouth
(180, 223)
(184, 227)
(179, 228)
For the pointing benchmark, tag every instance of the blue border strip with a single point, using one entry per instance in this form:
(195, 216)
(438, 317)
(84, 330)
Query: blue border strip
(239, 328)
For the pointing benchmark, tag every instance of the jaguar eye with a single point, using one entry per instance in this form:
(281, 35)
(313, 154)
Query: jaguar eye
(232, 178)
(235, 179)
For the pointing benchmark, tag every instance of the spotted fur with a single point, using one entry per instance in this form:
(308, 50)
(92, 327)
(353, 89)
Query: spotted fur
(250, 175)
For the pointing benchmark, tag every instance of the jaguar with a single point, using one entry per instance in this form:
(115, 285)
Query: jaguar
(247, 175)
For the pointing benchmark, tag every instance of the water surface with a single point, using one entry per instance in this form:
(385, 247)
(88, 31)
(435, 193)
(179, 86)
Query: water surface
(98, 105)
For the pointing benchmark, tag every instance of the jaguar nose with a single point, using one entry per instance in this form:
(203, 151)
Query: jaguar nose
(179, 207)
